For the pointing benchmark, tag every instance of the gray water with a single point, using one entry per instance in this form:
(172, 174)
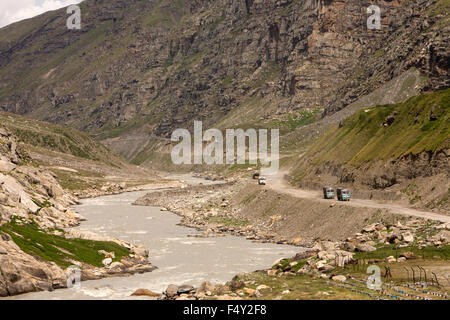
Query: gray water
(180, 259)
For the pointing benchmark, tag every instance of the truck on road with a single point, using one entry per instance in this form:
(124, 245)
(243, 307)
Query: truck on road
(328, 192)
(343, 194)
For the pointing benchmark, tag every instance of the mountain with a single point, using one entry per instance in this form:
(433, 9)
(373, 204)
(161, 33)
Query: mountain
(139, 69)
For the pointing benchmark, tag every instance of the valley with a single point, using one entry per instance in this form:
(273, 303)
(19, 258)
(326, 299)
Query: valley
(90, 120)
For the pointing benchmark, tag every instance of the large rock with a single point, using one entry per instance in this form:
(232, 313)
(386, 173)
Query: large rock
(171, 291)
(238, 284)
(408, 237)
(15, 189)
(6, 166)
(206, 287)
(145, 292)
(305, 255)
(408, 255)
(339, 278)
(107, 261)
(361, 247)
(21, 273)
(185, 289)
(140, 251)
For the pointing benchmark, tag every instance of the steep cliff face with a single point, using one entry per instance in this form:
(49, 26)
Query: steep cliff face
(139, 69)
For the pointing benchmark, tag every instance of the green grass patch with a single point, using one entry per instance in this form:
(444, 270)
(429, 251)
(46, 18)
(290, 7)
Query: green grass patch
(74, 180)
(229, 222)
(367, 136)
(45, 204)
(286, 264)
(298, 120)
(301, 287)
(33, 240)
(430, 252)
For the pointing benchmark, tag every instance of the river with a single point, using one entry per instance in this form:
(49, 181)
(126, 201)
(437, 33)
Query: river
(180, 259)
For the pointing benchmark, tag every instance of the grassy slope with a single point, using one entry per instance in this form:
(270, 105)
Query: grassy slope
(37, 242)
(363, 137)
(38, 135)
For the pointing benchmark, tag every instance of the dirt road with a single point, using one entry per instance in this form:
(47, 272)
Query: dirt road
(279, 184)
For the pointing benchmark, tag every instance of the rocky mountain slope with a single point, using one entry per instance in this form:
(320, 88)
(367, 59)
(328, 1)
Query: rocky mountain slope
(37, 242)
(138, 69)
(80, 164)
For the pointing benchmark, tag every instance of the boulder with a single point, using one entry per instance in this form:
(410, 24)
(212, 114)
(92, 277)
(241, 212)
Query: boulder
(271, 272)
(206, 287)
(252, 292)
(408, 237)
(116, 266)
(325, 255)
(262, 287)
(140, 251)
(15, 189)
(237, 284)
(339, 278)
(171, 291)
(320, 264)
(221, 289)
(6, 166)
(408, 255)
(370, 228)
(390, 259)
(305, 255)
(185, 289)
(144, 292)
(361, 247)
(107, 261)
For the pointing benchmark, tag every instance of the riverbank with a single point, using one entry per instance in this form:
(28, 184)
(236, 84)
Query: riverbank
(39, 241)
(339, 237)
(179, 255)
(412, 260)
(242, 208)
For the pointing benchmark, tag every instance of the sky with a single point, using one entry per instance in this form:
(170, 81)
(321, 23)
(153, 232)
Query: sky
(16, 10)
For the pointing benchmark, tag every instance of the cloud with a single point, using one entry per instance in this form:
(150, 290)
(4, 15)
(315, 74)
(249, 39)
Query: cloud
(16, 10)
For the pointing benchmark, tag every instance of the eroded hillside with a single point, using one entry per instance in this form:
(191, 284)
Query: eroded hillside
(393, 152)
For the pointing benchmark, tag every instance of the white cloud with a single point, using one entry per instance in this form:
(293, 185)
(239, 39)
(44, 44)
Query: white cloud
(16, 10)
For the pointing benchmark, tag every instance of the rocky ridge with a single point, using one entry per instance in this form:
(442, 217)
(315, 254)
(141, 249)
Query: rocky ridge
(33, 202)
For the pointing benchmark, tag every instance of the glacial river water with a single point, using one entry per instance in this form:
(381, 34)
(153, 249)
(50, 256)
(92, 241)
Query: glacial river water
(180, 259)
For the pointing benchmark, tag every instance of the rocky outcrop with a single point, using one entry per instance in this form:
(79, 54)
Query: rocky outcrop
(32, 198)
